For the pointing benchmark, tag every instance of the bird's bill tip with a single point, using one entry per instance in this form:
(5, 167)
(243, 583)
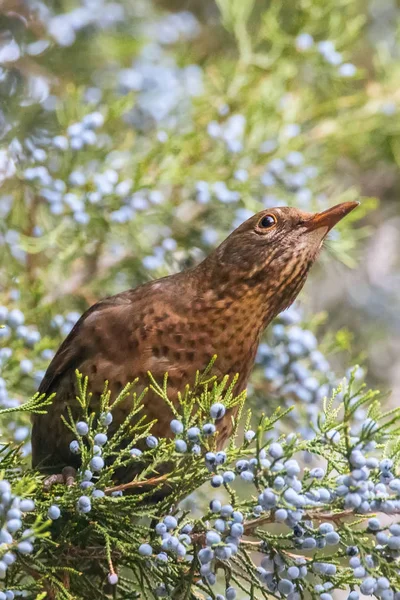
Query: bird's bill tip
(330, 217)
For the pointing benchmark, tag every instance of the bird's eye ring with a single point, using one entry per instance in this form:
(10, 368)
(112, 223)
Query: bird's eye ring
(267, 222)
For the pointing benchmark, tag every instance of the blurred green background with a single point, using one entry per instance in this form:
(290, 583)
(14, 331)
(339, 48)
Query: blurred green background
(135, 135)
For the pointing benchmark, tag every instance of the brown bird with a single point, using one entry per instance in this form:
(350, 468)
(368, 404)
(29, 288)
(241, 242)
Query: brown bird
(177, 323)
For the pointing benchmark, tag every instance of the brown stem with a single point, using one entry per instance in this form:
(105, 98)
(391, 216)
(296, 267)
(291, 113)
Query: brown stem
(66, 580)
(251, 525)
(336, 517)
(135, 484)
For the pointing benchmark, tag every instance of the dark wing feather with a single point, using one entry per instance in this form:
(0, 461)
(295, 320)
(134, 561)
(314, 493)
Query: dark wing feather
(49, 435)
(72, 352)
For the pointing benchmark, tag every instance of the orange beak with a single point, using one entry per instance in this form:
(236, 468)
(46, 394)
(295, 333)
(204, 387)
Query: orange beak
(328, 218)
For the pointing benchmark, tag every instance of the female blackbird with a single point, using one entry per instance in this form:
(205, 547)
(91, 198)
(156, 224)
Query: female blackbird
(177, 323)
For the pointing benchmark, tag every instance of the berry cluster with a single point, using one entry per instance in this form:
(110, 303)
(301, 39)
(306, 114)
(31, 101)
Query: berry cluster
(14, 537)
(295, 499)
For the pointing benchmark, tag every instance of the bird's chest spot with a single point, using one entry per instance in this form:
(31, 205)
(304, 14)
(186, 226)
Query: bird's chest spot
(235, 338)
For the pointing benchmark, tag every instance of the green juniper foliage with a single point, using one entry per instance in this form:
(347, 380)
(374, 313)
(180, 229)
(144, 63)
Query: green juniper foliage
(134, 138)
(285, 530)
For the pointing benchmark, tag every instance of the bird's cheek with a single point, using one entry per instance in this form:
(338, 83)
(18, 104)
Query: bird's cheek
(315, 238)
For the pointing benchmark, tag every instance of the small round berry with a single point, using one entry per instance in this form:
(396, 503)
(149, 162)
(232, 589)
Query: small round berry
(209, 429)
(205, 555)
(281, 515)
(112, 578)
(162, 557)
(237, 516)
(170, 522)
(219, 525)
(135, 452)
(211, 578)
(293, 572)
(82, 428)
(210, 458)
(332, 538)
(85, 485)
(180, 446)
(228, 476)
(212, 537)
(237, 530)
(217, 411)
(317, 473)
(292, 468)
(196, 449)
(217, 481)
(176, 426)
(333, 436)
(13, 525)
(275, 450)
(27, 505)
(325, 528)
(87, 475)
(309, 543)
(367, 586)
(193, 434)
(279, 483)
(394, 529)
(100, 439)
(249, 435)
(180, 550)
(215, 506)
(374, 524)
(161, 528)
(230, 593)
(223, 553)
(5, 491)
(242, 465)
(74, 447)
(383, 583)
(54, 512)
(145, 550)
(83, 505)
(98, 494)
(97, 463)
(106, 419)
(9, 558)
(386, 464)
(220, 458)
(25, 547)
(285, 587)
(357, 459)
(151, 441)
(226, 510)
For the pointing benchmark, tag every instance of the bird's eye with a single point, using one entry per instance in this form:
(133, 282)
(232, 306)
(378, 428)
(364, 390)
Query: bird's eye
(267, 222)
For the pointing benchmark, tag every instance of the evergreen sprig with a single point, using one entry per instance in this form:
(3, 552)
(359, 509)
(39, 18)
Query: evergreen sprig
(316, 519)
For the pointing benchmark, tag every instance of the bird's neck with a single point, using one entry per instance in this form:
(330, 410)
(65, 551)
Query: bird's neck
(236, 298)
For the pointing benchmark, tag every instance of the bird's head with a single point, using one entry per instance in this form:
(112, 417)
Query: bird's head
(275, 249)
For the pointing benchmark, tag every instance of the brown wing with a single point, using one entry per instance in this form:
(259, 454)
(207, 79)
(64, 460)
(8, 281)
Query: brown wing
(88, 341)
(73, 349)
